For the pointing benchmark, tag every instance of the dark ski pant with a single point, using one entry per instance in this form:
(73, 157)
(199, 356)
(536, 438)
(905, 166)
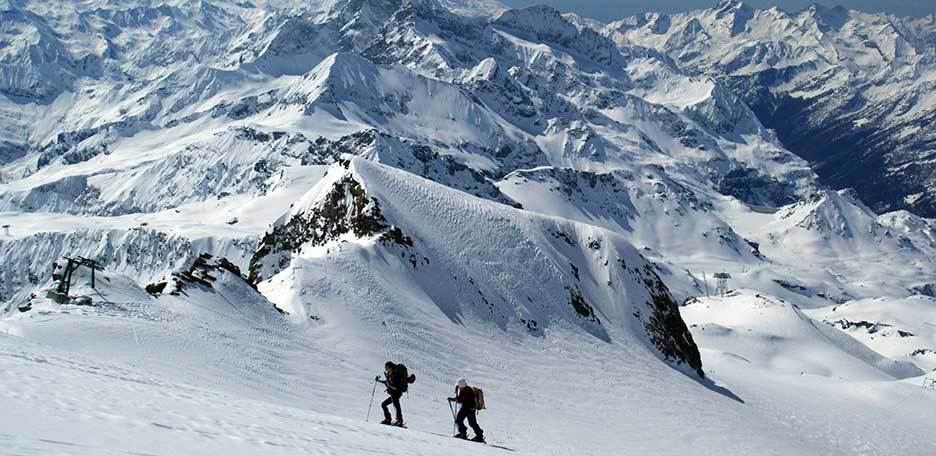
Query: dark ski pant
(395, 400)
(471, 414)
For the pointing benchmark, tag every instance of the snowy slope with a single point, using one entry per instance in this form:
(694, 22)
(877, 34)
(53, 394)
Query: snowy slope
(87, 399)
(899, 329)
(205, 382)
(366, 226)
(217, 368)
(652, 209)
(776, 335)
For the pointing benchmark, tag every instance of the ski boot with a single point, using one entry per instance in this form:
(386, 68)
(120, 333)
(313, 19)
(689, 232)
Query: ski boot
(478, 438)
(386, 421)
(399, 423)
(461, 435)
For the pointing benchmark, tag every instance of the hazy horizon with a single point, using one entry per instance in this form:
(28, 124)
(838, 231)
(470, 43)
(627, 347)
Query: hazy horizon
(608, 10)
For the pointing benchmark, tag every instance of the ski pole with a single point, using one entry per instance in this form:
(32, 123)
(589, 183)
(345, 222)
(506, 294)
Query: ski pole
(454, 419)
(454, 426)
(371, 404)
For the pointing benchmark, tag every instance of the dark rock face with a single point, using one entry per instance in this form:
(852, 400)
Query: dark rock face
(345, 209)
(582, 307)
(204, 271)
(664, 326)
(10, 151)
(928, 289)
(869, 327)
(755, 188)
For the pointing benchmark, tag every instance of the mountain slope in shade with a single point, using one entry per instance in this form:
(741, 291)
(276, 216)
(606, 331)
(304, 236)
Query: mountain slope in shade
(848, 91)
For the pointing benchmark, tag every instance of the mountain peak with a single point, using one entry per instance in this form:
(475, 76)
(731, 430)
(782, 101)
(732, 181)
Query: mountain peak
(546, 24)
(728, 6)
(538, 19)
(342, 67)
(827, 17)
(736, 13)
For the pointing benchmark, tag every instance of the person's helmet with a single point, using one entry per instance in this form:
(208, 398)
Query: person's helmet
(389, 365)
(461, 383)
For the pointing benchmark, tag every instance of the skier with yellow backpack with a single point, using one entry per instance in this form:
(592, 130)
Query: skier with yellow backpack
(470, 399)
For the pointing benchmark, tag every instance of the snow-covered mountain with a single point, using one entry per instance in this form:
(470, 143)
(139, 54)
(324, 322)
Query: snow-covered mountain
(367, 226)
(283, 194)
(850, 92)
(464, 100)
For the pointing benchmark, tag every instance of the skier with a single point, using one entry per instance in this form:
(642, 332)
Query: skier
(466, 397)
(396, 382)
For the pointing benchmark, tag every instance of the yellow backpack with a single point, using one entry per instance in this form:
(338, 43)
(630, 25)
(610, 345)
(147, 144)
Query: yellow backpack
(479, 398)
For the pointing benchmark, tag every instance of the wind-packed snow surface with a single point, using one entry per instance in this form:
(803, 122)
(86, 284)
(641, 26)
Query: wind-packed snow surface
(283, 195)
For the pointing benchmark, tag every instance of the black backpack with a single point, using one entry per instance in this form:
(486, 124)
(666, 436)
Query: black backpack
(403, 378)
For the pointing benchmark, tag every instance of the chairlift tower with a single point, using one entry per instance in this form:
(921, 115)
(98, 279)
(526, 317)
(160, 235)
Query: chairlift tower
(73, 264)
(722, 288)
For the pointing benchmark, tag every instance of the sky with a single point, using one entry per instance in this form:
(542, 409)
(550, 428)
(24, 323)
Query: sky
(608, 10)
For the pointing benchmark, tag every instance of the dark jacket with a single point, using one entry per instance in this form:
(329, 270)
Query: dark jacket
(466, 397)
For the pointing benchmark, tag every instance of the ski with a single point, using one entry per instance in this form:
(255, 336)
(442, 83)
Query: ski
(499, 447)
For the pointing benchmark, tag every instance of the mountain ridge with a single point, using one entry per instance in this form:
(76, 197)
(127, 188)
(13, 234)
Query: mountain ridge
(847, 91)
